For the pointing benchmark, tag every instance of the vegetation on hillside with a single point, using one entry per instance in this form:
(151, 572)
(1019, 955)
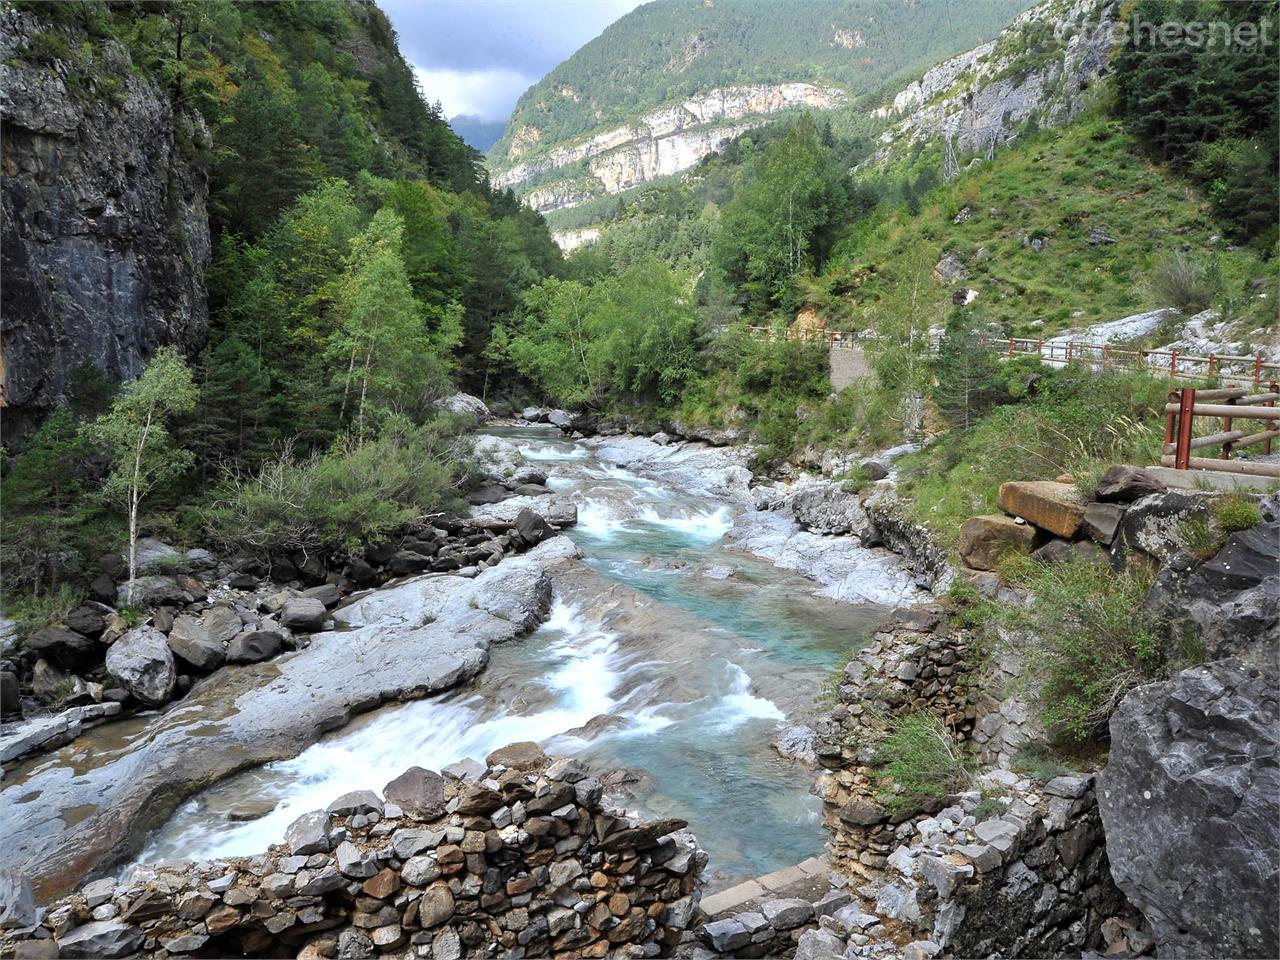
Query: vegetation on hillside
(360, 262)
(664, 52)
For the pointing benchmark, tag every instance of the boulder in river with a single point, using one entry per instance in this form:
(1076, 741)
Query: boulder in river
(466, 403)
(303, 613)
(143, 663)
(1190, 802)
(825, 507)
(533, 529)
(190, 641)
(254, 647)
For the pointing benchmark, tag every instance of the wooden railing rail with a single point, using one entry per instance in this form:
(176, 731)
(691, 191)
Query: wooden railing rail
(1237, 403)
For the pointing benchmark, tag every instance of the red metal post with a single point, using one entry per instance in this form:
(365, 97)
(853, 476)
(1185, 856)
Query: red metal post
(1211, 357)
(1186, 416)
(1173, 364)
(1257, 369)
(1011, 346)
(1175, 396)
(1070, 344)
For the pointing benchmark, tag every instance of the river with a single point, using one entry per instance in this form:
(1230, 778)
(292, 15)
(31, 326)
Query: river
(666, 655)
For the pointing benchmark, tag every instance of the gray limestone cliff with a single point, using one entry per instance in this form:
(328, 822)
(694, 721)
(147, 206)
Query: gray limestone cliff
(105, 231)
(1038, 69)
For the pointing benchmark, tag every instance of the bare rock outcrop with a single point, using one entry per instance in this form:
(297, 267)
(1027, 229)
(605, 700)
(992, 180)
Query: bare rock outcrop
(105, 233)
(1190, 801)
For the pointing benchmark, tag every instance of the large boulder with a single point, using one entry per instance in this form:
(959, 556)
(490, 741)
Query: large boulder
(418, 792)
(222, 623)
(1056, 507)
(154, 555)
(102, 938)
(143, 663)
(1126, 484)
(827, 508)
(1190, 802)
(466, 403)
(983, 540)
(190, 641)
(17, 903)
(306, 614)
(65, 647)
(1156, 525)
(1231, 604)
(533, 529)
(254, 647)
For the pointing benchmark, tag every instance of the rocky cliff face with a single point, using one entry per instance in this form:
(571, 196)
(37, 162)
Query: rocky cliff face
(105, 232)
(1190, 800)
(660, 143)
(1038, 68)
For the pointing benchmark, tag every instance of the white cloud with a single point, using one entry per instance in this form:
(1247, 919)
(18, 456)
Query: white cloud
(485, 93)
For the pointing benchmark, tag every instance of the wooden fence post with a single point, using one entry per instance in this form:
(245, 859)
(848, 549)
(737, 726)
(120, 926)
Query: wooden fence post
(1186, 417)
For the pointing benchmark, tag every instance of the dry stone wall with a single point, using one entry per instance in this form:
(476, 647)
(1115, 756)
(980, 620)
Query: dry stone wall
(522, 857)
(1023, 874)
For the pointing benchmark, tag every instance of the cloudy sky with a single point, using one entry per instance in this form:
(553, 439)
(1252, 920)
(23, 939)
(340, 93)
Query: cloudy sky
(477, 56)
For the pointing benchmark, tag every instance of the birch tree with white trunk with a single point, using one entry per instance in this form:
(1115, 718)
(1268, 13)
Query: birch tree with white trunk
(134, 436)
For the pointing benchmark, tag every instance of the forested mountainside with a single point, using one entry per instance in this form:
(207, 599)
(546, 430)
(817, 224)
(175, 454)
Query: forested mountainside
(673, 80)
(1067, 211)
(262, 188)
(155, 154)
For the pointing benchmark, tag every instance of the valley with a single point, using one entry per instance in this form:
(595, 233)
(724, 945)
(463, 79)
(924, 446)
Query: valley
(807, 489)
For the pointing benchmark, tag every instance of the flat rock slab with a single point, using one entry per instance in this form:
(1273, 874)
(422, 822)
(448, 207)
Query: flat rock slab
(1056, 507)
(804, 881)
(89, 806)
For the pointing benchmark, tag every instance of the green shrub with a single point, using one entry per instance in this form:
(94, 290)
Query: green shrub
(1200, 537)
(1187, 284)
(1078, 422)
(1089, 642)
(988, 808)
(970, 609)
(919, 760)
(30, 612)
(46, 47)
(1236, 512)
(342, 499)
(1040, 762)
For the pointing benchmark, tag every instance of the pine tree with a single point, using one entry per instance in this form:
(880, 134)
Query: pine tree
(40, 497)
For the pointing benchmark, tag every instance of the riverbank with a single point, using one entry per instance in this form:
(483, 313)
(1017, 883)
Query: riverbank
(89, 805)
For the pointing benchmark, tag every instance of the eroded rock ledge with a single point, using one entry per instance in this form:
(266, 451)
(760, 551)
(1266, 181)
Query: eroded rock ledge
(521, 855)
(405, 642)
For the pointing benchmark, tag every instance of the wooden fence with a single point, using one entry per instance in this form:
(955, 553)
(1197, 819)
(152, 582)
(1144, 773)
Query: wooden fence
(1227, 368)
(1228, 405)
(1183, 366)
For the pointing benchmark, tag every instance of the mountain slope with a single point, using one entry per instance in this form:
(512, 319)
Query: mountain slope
(676, 79)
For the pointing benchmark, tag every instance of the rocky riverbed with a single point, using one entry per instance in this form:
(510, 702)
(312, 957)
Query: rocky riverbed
(669, 651)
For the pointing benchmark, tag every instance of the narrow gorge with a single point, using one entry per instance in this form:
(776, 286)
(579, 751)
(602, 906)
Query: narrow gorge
(811, 490)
